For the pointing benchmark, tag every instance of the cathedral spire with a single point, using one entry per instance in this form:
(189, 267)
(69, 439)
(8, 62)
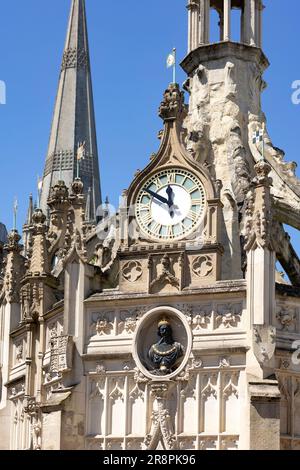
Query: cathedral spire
(74, 119)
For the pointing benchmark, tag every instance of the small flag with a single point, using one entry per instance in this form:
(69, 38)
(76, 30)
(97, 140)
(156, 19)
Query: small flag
(40, 184)
(258, 135)
(81, 151)
(171, 60)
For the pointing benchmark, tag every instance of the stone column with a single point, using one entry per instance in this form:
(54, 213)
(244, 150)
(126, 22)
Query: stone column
(206, 21)
(246, 22)
(202, 19)
(252, 22)
(193, 8)
(227, 20)
(259, 23)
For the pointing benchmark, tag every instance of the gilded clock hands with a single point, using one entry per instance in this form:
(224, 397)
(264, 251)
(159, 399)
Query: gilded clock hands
(156, 196)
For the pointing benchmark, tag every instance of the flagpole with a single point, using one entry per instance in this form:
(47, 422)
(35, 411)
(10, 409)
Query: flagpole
(174, 67)
(60, 167)
(15, 214)
(263, 142)
(38, 192)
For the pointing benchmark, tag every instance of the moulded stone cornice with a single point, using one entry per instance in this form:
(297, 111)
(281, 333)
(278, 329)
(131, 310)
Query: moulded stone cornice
(222, 50)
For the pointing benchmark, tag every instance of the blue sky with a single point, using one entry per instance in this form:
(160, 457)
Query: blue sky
(129, 42)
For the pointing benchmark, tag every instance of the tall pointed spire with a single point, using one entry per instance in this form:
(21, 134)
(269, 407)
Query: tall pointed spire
(74, 119)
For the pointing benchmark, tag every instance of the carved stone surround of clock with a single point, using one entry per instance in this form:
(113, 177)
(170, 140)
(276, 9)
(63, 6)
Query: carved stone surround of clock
(172, 202)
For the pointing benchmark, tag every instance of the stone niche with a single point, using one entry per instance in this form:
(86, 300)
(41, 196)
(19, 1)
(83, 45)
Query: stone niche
(146, 336)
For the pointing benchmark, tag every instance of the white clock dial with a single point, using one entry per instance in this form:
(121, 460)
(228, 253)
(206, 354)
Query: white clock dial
(170, 204)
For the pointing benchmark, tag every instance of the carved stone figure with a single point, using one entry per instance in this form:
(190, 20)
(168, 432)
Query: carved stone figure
(166, 352)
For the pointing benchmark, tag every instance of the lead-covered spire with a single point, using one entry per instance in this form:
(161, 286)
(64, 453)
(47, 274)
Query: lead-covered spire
(74, 119)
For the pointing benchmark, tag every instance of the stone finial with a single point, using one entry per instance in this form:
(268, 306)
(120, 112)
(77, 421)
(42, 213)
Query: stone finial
(13, 245)
(172, 105)
(38, 217)
(263, 169)
(77, 187)
(59, 193)
(14, 267)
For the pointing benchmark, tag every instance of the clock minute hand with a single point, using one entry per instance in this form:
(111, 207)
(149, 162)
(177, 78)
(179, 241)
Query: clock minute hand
(157, 196)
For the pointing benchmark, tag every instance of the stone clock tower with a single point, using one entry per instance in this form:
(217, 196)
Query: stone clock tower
(166, 326)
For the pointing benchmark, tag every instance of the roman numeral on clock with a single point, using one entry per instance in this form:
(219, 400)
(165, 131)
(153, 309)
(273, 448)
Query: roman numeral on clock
(192, 215)
(146, 218)
(171, 178)
(156, 228)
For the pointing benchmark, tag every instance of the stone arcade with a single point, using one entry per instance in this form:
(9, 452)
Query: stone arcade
(165, 326)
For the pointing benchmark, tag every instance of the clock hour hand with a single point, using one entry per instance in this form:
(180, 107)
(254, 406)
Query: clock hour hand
(157, 196)
(170, 194)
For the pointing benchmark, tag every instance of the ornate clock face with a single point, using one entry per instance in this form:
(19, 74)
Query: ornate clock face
(170, 205)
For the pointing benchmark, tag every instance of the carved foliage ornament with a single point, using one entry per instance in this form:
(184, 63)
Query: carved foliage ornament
(264, 343)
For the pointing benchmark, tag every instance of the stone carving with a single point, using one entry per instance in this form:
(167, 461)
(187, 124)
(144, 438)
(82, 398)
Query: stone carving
(16, 391)
(136, 393)
(94, 444)
(287, 318)
(139, 377)
(210, 388)
(224, 362)
(264, 343)
(61, 354)
(161, 426)
(100, 369)
(258, 225)
(132, 271)
(230, 80)
(19, 353)
(167, 276)
(231, 386)
(128, 323)
(102, 326)
(201, 321)
(117, 393)
(97, 389)
(228, 317)
(193, 365)
(229, 442)
(134, 444)
(202, 266)
(74, 57)
(173, 103)
(208, 443)
(166, 352)
(36, 433)
(241, 175)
